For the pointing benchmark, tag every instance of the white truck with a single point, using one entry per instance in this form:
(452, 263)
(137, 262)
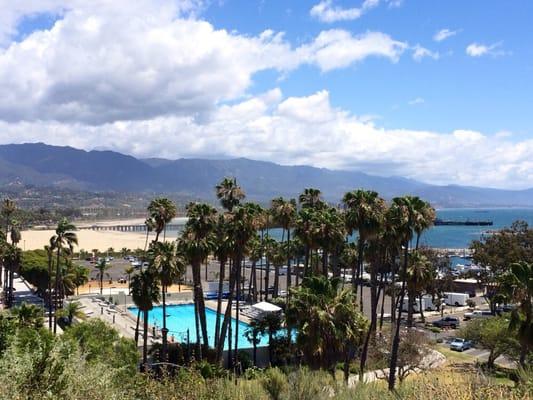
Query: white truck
(456, 299)
(427, 304)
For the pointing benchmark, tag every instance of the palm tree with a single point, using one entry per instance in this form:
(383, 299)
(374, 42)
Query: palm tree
(161, 211)
(330, 327)
(50, 254)
(7, 211)
(229, 193)
(195, 243)
(522, 316)
(253, 334)
(145, 292)
(28, 315)
(223, 248)
(12, 257)
(102, 266)
(311, 198)
(402, 214)
(129, 270)
(64, 239)
(284, 212)
(124, 252)
(419, 272)
(425, 218)
(242, 227)
(169, 267)
(364, 214)
(73, 309)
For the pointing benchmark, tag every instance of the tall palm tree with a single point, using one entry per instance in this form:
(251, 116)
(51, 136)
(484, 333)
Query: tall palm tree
(284, 212)
(330, 328)
(50, 248)
(402, 214)
(419, 272)
(425, 218)
(223, 248)
(7, 211)
(161, 211)
(229, 193)
(242, 227)
(169, 266)
(311, 198)
(145, 292)
(129, 270)
(195, 243)
(102, 266)
(364, 214)
(64, 240)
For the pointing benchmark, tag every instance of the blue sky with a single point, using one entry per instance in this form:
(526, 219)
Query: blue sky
(489, 93)
(341, 84)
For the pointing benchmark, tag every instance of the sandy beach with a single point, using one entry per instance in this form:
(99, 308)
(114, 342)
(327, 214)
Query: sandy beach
(87, 239)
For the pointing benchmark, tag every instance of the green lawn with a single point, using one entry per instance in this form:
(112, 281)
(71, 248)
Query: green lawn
(455, 356)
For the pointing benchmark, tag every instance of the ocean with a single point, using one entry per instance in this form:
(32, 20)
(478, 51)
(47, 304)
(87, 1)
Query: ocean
(459, 237)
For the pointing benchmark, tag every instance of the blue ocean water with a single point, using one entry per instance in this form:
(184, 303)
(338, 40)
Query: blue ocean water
(180, 318)
(459, 237)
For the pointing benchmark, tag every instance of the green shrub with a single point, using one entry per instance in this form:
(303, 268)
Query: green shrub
(275, 383)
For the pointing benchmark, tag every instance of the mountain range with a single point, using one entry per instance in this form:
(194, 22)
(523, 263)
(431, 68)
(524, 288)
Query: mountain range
(55, 166)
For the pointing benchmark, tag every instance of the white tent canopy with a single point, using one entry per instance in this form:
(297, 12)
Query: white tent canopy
(266, 307)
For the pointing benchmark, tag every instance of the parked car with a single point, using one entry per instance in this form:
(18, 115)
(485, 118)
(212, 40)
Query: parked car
(447, 322)
(477, 314)
(459, 344)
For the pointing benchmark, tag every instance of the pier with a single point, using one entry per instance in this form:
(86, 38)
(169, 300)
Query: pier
(442, 222)
(129, 228)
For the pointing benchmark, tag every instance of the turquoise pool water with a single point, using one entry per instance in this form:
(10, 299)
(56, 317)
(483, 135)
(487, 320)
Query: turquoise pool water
(180, 318)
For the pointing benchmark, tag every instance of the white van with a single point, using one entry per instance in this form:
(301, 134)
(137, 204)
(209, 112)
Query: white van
(456, 299)
(427, 304)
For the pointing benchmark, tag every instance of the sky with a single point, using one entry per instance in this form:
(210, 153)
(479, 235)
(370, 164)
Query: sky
(438, 91)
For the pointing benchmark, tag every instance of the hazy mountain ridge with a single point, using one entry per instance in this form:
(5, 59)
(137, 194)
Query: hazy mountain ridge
(45, 165)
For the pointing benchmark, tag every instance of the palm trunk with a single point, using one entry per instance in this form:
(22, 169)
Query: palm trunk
(306, 265)
(197, 326)
(374, 294)
(421, 309)
(227, 318)
(396, 339)
(382, 314)
(137, 327)
(145, 341)
(164, 331)
(360, 252)
(221, 275)
(288, 262)
(238, 261)
(50, 291)
(58, 278)
(276, 280)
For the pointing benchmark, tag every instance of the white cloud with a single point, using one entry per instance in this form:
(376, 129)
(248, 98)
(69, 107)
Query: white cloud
(302, 130)
(478, 50)
(415, 101)
(146, 78)
(338, 48)
(444, 34)
(115, 62)
(325, 11)
(420, 53)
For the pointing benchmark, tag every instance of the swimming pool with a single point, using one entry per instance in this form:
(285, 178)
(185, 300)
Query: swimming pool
(180, 318)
